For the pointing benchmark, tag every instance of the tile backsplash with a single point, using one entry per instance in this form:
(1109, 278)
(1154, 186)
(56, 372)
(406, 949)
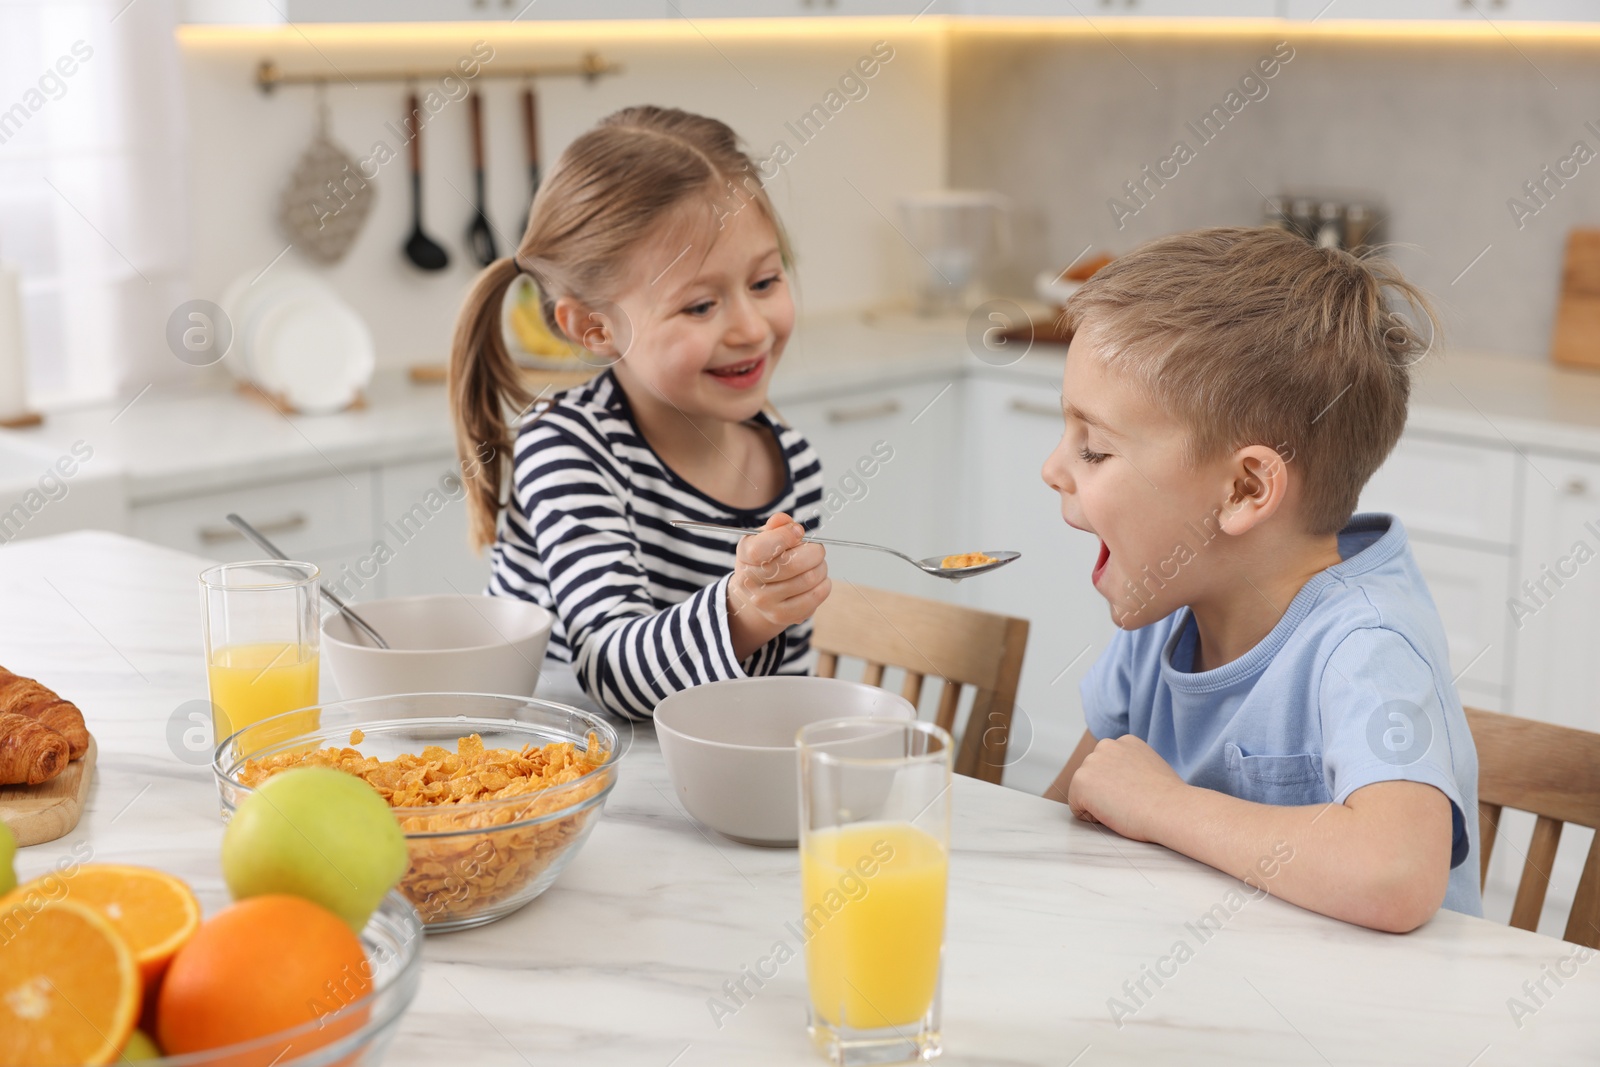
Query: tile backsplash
(1111, 141)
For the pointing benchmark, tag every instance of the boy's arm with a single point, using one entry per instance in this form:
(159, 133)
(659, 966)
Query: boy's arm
(1381, 859)
(1058, 789)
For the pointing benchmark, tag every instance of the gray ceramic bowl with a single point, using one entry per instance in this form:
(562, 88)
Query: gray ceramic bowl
(449, 643)
(730, 749)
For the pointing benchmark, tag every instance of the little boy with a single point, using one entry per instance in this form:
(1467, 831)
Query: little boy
(1278, 700)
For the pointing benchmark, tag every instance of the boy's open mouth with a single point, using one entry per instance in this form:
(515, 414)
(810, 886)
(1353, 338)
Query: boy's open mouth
(740, 375)
(1100, 564)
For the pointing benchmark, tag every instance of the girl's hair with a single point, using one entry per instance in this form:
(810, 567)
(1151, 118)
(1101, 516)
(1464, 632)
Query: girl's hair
(611, 189)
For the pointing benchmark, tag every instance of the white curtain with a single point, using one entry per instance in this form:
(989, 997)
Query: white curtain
(92, 190)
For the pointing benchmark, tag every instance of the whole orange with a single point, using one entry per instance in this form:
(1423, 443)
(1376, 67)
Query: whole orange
(258, 967)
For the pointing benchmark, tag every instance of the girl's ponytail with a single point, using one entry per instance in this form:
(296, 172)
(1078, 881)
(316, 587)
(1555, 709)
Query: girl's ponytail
(483, 381)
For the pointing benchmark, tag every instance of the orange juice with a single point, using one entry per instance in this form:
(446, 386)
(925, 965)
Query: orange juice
(873, 895)
(251, 682)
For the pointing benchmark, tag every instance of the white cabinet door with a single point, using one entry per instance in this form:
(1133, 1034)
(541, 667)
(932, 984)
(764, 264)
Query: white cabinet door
(1555, 609)
(1324, 10)
(1132, 8)
(448, 10)
(320, 520)
(1011, 428)
(790, 8)
(1475, 10)
(422, 522)
(1469, 588)
(889, 464)
(1446, 491)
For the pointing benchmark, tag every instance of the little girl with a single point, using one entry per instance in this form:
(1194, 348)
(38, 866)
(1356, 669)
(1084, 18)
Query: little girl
(657, 251)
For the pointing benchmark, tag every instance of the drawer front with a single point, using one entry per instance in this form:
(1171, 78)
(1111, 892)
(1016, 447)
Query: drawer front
(1442, 489)
(303, 518)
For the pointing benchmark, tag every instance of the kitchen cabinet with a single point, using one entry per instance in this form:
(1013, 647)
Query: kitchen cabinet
(792, 8)
(422, 520)
(1468, 587)
(1493, 10)
(326, 520)
(294, 11)
(1554, 611)
(1448, 491)
(889, 463)
(1133, 8)
(393, 530)
(1011, 426)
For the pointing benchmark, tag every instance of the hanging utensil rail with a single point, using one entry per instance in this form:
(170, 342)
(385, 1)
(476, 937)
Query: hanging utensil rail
(590, 67)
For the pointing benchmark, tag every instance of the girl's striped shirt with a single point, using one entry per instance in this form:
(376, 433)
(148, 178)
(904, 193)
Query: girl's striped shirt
(641, 607)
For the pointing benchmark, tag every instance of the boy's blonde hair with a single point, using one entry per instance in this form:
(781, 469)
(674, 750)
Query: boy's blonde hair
(611, 189)
(1256, 336)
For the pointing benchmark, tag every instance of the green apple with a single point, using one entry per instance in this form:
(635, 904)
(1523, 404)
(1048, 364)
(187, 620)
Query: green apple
(8, 855)
(317, 833)
(139, 1048)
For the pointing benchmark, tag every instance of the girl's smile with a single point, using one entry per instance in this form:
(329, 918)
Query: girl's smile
(744, 375)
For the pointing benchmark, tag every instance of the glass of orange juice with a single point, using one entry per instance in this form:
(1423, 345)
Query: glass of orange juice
(874, 866)
(262, 637)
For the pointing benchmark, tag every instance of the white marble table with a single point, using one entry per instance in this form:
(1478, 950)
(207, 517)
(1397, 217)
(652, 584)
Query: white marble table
(619, 962)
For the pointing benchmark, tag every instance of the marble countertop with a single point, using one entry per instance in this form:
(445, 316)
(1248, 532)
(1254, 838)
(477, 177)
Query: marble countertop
(620, 961)
(176, 440)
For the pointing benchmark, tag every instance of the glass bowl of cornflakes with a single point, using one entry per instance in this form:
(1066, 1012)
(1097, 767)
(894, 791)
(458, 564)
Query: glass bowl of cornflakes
(495, 794)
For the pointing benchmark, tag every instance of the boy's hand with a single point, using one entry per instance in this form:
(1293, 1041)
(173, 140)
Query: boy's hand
(777, 581)
(1125, 785)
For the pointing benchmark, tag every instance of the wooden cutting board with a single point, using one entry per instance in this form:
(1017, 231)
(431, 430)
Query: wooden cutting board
(44, 812)
(1576, 342)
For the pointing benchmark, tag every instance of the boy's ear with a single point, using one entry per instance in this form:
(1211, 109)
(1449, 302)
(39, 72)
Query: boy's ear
(1260, 485)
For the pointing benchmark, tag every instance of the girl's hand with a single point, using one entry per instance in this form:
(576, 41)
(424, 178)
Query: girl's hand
(777, 582)
(1125, 785)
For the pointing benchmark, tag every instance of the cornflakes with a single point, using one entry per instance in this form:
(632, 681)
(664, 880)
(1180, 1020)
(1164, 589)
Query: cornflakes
(966, 559)
(455, 872)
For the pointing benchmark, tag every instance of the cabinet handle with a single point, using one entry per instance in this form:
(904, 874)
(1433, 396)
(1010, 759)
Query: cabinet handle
(869, 411)
(214, 534)
(1033, 407)
(1576, 486)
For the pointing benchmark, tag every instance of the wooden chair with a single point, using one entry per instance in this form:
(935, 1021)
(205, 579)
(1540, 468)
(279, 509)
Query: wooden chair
(929, 638)
(1553, 772)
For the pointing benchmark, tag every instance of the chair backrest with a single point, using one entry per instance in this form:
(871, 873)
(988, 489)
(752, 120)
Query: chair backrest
(929, 638)
(1553, 772)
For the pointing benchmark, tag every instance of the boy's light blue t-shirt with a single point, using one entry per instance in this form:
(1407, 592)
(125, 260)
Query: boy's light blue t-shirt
(1351, 687)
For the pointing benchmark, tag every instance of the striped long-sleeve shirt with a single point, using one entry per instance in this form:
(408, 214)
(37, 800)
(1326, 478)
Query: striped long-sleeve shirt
(641, 607)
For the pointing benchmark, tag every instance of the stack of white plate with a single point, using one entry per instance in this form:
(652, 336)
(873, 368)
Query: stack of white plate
(295, 339)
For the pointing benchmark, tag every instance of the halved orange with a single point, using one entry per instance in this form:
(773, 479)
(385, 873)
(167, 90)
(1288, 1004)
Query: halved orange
(69, 987)
(154, 911)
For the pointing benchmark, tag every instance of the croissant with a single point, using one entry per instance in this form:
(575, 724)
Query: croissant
(24, 696)
(30, 752)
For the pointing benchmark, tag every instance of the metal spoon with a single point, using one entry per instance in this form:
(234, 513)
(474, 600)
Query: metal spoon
(480, 234)
(930, 565)
(423, 251)
(275, 552)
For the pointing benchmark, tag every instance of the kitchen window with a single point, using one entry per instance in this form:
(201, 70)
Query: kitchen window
(91, 190)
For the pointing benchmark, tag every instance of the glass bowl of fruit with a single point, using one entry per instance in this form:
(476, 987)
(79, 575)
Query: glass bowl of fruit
(103, 960)
(356, 1017)
(495, 794)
